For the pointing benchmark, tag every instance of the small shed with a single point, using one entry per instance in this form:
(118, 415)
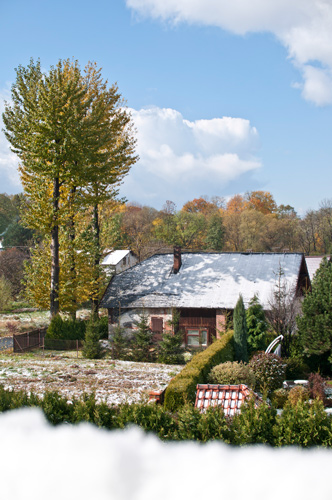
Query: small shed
(117, 261)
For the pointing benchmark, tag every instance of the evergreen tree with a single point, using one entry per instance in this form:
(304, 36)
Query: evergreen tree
(91, 346)
(171, 347)
(256, 326)
(315, 324)
(143, 340)
(119, 342)
(240, 331)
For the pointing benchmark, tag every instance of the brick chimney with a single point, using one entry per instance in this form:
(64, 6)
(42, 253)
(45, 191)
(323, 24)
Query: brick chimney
(177, 260)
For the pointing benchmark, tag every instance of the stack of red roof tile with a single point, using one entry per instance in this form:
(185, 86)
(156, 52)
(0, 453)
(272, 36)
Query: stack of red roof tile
(228, 397)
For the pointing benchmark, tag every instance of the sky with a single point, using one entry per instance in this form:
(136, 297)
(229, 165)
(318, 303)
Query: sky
(83, 462)
(226, 97)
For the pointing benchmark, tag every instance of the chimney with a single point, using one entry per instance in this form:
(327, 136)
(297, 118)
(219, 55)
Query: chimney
(177, 260)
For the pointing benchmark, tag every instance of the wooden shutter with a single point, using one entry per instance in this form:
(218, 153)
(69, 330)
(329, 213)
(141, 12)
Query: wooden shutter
(157, 324)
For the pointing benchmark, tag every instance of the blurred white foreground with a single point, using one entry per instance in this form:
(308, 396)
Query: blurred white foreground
(40, 462)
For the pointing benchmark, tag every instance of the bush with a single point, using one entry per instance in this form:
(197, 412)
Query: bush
(91, 345)
(232, 373)
(254, 425)
(296, 368)
(67, 329)
(316, 387)
(304, 425)
(171, 351)
(102, 326)
(119, 342)
(150, 417)
(297, 394)
(56, 408)
(142, 343)
(182, 388)
(5, 293)
(269, 371)
(279, 398)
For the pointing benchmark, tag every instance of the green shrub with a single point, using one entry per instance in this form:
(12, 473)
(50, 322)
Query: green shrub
(232, 373)
(102, 326)
(296, 368)
(171, 351)
(56, 408)
(91, 345)
(269, 371)
(254, 425)
(279, 398)
(182, 388)
(6, 297)
(304, 425)
(66, 329)
(151, 417)
(119, 342)
(142, 342)
(297, 394)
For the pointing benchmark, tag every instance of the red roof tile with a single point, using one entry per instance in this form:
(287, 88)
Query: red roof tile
(229, 397)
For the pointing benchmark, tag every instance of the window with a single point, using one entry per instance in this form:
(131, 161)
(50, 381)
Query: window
(157, 324)
(197, 337)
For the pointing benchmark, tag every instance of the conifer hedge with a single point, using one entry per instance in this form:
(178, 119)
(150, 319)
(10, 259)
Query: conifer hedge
(182, 388)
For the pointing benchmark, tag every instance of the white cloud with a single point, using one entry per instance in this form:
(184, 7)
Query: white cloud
(188, 157)
(304, 27)
(83, 462)
(9, 177)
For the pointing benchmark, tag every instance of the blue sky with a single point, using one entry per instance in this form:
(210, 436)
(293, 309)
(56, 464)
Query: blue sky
(225, 97)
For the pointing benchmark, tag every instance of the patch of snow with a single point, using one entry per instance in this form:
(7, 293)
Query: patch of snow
(84, 462)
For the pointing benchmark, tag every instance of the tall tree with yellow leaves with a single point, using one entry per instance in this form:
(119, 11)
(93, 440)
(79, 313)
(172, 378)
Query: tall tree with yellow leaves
(63, 126)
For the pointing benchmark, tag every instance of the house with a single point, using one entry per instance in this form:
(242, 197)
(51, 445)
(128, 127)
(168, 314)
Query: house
(313, 263)
(117, 261)
(203, 287)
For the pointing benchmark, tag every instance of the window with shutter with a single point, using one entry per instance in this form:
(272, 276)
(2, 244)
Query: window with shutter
(157, 324)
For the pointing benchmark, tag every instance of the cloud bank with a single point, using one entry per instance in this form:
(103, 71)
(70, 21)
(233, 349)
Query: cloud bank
(83, 462)
(304, 27)
(9, 177)
(182, 158)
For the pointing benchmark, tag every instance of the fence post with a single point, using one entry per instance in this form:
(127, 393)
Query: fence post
(77, 348)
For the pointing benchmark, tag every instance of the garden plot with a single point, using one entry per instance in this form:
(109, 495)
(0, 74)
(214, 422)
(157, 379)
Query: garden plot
(114, 382)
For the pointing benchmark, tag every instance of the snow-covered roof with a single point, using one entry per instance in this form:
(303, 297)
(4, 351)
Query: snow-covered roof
(205, 280)
(113, 258)
(313, 264)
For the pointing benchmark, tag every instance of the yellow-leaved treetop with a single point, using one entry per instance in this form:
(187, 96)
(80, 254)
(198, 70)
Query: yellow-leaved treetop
(73, 137)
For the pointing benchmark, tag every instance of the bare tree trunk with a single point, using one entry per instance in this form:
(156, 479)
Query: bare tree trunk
(72, 235)
(96, 235)
(55, 267)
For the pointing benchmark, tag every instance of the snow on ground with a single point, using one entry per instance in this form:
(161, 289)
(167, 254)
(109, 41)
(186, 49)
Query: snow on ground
(82, 462)
(113, 381)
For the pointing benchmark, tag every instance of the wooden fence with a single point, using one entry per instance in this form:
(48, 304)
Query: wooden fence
(24, 342)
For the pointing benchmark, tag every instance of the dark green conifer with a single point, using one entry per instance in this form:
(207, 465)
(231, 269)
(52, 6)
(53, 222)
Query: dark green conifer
(256, 326)
(91, 345)
(315, 324)
(143, 340)
(171, 347)
(240, 332)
